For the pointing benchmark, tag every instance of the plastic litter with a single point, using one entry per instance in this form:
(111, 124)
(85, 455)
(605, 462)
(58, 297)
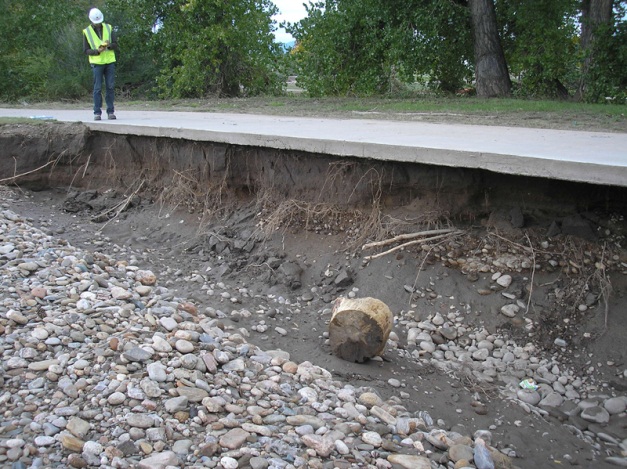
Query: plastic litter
(42, 117)
(528, 384)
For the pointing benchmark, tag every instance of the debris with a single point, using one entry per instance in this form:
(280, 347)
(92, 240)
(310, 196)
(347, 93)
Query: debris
(431, 235)
(359, 328)
(528, 384)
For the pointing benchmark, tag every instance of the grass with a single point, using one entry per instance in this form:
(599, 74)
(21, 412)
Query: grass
(23, 120)
(467, 110)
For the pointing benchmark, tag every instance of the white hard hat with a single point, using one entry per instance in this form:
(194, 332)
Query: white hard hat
(95, 16)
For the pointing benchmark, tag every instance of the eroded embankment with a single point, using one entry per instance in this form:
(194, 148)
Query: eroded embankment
(474, 315)
(190, 173)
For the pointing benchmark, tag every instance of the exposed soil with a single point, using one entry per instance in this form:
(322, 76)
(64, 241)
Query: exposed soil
(289, 228)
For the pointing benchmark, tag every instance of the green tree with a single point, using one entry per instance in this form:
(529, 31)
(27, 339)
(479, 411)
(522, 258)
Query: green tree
(363, 47)
(604, 51)
(540, 42)
(492, 75)
(41, 49)
(214, 47)
(138, 60)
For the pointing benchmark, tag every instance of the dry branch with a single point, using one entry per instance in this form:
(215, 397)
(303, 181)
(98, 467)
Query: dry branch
(119, 208)
(533, 273)
(411, 243)
(29, 172)
(407, 236)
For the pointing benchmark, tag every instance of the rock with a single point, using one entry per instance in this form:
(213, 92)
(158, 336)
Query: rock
(140, 420)
(44, 441)
(121, 293)
(460, 452)
(529, 396)
(116, 398)
(370, 399)
(137, 354)
(517, 218)
(176, 404)
(510, 310)
(76, 461)
(504, 280)
(617, 461)
(258, 463)
(323, 446)
(72, 443)
(290, 273)
(343, 279)
(372, 438)
(409, 461)
(575, 225)
(159, 344)
(481, 354)
(595, 414)
(615, 405)
(78, 427)
(184, 346)
(157, 372)
(482, 456)
(181, 447)
(92, 448)
(89, 376)
(160, 461)
(449, 333)
(146, 277)
(17, 317)
(438, 320)
(168, 323)
(553, 399)
(193, 394)
(234, 438)
(427, 346)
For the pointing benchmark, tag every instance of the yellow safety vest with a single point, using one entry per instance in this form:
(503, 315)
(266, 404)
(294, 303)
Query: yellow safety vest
(107, 56)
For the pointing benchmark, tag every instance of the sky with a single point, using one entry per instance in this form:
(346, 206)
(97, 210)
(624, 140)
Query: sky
(290, 10)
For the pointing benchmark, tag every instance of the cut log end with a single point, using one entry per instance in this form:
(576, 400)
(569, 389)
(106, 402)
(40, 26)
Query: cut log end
(359, 329)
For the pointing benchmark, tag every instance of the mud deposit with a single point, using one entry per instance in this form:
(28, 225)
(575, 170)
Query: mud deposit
(526, 278)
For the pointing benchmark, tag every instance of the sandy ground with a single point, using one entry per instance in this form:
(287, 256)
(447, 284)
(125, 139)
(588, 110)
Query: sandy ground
(174, 244)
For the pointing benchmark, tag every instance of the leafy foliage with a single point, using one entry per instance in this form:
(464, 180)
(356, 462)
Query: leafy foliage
(217, 47)
(607, 77)
(363, 47)
(178, 48)
(540, 42)
(40, 56)
(202, 48)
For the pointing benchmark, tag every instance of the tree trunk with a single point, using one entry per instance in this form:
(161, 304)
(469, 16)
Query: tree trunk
(594, 13)
(359, 328)
(490, 66)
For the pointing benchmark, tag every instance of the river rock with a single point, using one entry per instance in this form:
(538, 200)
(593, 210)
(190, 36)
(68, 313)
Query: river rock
(595, 414)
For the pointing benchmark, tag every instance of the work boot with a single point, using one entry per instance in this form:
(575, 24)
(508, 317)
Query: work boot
(97, 117)
(112, 116)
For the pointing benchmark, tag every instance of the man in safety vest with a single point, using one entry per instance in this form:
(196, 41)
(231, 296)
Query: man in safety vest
(99, 43)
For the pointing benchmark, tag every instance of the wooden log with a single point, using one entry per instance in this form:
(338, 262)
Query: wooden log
(359, 328)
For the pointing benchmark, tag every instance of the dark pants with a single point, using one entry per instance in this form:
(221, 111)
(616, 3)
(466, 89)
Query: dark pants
(108, 72)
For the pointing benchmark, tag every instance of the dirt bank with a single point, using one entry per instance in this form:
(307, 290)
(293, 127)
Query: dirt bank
(268, 239)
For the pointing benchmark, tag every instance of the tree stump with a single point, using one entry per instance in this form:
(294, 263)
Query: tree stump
(359, 328)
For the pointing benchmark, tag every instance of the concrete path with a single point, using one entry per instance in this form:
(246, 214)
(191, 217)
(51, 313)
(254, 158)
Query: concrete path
(592, 157)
